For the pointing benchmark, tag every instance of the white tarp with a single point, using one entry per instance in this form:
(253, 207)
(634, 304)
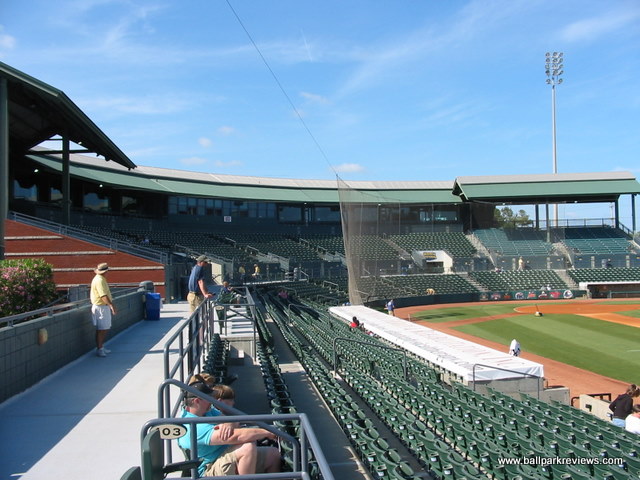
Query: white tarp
(451, 353)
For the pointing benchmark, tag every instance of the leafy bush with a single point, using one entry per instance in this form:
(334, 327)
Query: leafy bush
(25, 285)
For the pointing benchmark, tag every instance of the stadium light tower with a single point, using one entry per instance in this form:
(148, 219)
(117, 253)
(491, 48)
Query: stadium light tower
(553, 66)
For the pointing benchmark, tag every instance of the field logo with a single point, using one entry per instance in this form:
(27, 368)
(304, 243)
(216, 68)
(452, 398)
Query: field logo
(519, 296)
(484, 297)
(567, 294)
(496, 296)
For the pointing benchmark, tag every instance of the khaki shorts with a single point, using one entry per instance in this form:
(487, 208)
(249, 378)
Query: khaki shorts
(194, 300)
(226, 463)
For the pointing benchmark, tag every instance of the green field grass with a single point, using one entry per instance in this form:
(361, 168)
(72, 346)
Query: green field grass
(606, 348)
(462, 313)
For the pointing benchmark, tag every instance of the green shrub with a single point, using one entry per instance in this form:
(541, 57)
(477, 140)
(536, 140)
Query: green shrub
(25, 285)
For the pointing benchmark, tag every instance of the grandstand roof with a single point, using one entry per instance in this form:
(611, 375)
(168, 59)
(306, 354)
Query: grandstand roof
(38, 112)
(541, 188)
(180, 182)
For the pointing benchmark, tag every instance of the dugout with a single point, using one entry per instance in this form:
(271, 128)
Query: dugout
(611, 289)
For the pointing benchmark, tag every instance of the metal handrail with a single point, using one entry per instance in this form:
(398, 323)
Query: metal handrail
(102, 240)
(524, 374)
(369, 344)
(12, 320)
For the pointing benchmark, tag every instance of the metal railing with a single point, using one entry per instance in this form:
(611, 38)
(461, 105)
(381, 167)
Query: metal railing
(187, 346)
(102, 240)
(13, 320)
(520, 374)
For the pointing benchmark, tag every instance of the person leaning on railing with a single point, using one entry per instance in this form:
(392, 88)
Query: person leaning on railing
(197, 286)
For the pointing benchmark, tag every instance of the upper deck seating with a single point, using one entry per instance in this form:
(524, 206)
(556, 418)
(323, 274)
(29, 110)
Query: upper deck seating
(514, 241)
(594, 240)
(453, 242)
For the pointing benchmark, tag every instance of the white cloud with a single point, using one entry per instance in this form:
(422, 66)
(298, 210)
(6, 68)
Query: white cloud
(7, 42)
(226, 130)
(191, 161)
(205, 142)
(349, 168)
(314, 98)
(590, 29)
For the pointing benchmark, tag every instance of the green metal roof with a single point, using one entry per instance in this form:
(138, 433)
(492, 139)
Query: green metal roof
(178, 182)
(560, 188)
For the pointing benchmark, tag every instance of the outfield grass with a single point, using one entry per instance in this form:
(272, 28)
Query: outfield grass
(606, 348)
(462, 313)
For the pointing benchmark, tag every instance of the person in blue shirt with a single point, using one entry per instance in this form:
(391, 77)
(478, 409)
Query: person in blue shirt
(226, 450)
(197, 286)
(391, 306)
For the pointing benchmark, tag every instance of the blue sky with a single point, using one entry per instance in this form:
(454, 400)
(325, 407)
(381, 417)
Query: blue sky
(371, 90)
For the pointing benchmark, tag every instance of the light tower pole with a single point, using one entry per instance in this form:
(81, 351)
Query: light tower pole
(553, 66)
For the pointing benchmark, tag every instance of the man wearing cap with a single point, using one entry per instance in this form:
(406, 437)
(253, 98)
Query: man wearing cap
(102, 307)
(226, 451)
(197, 286)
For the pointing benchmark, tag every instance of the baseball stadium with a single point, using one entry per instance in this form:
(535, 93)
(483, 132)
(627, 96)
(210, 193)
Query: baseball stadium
(424, 389)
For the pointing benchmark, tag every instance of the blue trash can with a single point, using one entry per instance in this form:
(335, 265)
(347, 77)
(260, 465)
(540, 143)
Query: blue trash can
(152, 306)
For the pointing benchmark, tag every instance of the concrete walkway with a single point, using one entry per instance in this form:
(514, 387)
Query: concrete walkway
(84, 421)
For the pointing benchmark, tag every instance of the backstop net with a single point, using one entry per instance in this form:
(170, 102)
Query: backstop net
(369, 221)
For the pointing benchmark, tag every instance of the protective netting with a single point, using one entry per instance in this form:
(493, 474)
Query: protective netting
(368, 218)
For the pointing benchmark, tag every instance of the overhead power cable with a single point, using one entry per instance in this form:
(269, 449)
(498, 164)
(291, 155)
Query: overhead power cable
(284, 92)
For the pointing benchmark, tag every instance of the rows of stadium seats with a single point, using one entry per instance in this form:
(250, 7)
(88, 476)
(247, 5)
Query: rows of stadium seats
(371, 247)
(379, 458)
(514, 242)
(519, 280)
(462, 431)
(331, 243)
(605, 275)
(441, 284)
(276, 244)
(594, 240)
(455, 243)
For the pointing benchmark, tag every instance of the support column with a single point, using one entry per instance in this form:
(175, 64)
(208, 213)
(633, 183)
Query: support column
(66, 182)
(546, 211)
(616, 214)
(633, 212)
(4, 160)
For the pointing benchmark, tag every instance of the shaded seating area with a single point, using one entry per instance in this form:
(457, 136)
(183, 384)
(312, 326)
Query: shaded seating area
(441, 284)
(455, 243)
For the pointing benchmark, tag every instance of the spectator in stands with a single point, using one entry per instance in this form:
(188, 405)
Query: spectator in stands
(102, 307)
(256, 272)
(514, 348)
(391, 307)
(228, 294)
(521, 264)
(355, 323)
(282, 293)
(609, 264)
(198, 290)
(632, 422)
(622, 406)
(242, 272)
(225, 451)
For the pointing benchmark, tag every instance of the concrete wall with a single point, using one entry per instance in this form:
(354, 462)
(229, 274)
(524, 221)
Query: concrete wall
(32, 350)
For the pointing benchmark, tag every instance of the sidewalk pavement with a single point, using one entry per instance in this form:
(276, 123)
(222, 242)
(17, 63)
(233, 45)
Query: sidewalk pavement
(84, 421)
